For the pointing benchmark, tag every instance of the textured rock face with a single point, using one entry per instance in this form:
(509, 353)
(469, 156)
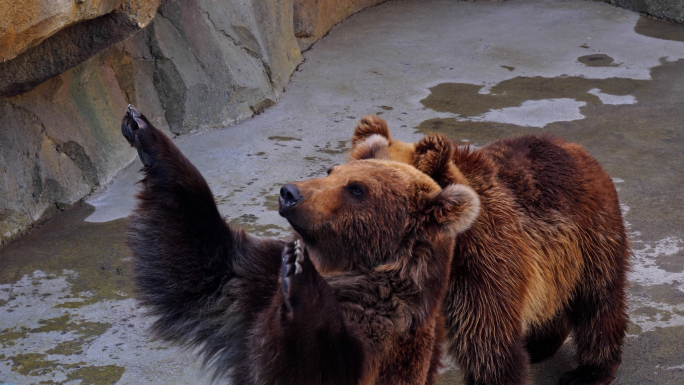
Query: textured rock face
(25, 24)
(664, 9)
(216, 63)
(314, 18)
(60, 140)
(67, 78)
(41, 39)
(199, 64)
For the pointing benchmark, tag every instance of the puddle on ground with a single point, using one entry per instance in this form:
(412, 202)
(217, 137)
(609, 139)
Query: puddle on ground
(467, 100)
(597, 60)
(96, 252)
(659, 29)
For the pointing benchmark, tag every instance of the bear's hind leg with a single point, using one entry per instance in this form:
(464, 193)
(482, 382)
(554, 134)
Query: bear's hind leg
(543, 341)
(498, 362)
(599, 322)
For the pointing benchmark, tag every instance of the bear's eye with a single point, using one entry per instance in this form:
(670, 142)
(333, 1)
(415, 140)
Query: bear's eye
(355, 189)
(330, 170)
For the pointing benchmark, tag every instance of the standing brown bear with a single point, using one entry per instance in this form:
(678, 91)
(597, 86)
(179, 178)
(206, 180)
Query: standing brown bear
(547, 255)
(354, 298)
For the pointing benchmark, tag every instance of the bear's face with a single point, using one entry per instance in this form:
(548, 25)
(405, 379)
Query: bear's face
(368, 212)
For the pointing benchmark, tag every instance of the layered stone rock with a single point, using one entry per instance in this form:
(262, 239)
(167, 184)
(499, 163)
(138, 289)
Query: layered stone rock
(664, 9)
(199, 64)
(220, 62)
(41, 39)
(314, 18)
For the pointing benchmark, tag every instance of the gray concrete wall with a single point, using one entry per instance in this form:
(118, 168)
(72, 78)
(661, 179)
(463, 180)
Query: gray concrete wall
(672, 10)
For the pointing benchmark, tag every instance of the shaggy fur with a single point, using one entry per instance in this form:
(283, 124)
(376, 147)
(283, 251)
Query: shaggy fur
(354, 299)
(546, 256)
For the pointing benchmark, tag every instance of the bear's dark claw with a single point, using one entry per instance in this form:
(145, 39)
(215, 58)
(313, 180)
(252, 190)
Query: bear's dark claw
(132, 123)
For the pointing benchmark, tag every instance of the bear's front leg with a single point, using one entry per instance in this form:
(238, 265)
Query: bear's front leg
(303, 338)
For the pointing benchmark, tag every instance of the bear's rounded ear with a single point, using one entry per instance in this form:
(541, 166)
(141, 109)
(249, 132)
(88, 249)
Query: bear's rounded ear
(370, 125)
(374, 147)
(433, 155)
(454, 209)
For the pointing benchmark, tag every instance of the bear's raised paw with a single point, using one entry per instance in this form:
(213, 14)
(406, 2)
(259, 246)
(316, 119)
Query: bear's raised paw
(299, 277)
(132, 126)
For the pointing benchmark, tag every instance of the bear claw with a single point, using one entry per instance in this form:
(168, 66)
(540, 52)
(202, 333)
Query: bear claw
(132, 124)
(294, 257)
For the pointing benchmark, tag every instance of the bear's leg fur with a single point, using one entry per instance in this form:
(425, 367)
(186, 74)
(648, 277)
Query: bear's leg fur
(488, 342)
(509, 365)
(295, 337)
(543, 341)
(599, 321)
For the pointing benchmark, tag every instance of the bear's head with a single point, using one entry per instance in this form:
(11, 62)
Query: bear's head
(432, 155)
(371, 212)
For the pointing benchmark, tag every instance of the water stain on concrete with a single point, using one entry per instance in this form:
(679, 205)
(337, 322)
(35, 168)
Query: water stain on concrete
(36, 364)
(95, 251)
(597, 60)
(283, 138)
(250, 223)
(466, 100)
(330, 149)
(84, 330)
(659, 29)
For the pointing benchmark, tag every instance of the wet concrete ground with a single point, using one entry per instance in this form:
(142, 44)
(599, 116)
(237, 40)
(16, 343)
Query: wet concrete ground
(601, 76)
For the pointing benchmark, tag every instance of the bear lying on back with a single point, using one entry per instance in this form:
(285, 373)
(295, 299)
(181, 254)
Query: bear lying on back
(546, 256)
(354, 298)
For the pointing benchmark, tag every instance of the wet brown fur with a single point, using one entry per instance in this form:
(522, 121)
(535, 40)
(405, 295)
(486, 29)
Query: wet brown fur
(366, 309)
(546, 256)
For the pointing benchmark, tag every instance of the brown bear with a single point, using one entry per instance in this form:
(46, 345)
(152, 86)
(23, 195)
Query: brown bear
(547, 254)
(353, 298)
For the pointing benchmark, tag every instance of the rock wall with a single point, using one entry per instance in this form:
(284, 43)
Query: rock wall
(69, 72)
(664, 9)
(314, 18)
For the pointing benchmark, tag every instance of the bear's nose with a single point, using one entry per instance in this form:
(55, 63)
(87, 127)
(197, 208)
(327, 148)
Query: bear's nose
(289, 196)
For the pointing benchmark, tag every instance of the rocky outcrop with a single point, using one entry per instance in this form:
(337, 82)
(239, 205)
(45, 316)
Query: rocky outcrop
(664, 9)
(70, 68)
(199, 64)
(314, 18)
(41, 39)
(26, 24)
(216, 63)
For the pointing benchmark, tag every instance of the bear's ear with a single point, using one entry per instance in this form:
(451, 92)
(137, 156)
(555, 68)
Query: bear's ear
(454, 209)
(370, 125)
(433, 155)
(374, 147)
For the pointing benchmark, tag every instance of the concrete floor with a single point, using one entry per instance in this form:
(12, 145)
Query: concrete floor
(588, 72)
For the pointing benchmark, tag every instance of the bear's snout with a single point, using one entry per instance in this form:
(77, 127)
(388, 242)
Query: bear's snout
(289, 197)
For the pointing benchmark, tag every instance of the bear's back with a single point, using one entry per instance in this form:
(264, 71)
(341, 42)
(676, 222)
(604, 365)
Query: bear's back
(560, 205)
